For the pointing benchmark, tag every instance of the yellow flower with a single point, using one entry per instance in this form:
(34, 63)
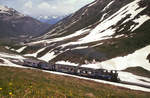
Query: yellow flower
(10, 93)
(1, 89)
(10, 84)
(31, 86)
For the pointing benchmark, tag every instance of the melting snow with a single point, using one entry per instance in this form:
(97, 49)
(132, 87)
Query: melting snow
(108, 6)
(93, 3)
(35, 54)
(66, 63)
(140, 21)
(103, 16)
(103, 30)
(119, 36)
(12, 56)
(77, 33)
(21, 49)
(7, 47)
(8, 63)
(48, 56)
(94, 66)
(3, 9)
(129, 77)
(138, 58)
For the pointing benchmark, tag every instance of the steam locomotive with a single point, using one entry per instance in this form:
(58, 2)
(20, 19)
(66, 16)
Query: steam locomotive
(103, 74)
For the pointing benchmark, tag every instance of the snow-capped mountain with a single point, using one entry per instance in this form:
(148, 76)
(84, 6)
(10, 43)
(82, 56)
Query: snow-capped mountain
(50, 19)
(14, 24)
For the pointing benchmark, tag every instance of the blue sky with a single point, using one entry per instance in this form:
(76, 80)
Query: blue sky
(45, 7)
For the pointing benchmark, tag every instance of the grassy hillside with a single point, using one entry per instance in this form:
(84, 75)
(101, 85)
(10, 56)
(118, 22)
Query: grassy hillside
(27, 83)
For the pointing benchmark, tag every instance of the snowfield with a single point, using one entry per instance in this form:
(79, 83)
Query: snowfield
(129, 77)
(138, 58)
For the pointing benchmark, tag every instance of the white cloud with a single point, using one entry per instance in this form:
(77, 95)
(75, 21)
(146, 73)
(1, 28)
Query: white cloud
(28, 4)
(44, 5)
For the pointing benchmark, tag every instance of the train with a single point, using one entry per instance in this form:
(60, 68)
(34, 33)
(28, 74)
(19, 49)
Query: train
(103, 74)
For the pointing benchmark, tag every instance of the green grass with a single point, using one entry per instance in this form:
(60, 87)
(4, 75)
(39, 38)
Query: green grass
(27, 83)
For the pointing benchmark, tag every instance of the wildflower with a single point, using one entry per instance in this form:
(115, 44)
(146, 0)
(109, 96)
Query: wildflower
(10, 84)
(108, 95)
(31, 86)
(10, 93)
(1, 89)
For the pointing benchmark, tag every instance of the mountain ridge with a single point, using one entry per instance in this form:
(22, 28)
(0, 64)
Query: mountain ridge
(118, 31)
(14, 24)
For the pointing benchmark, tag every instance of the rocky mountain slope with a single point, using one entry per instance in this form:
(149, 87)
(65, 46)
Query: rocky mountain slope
(14, 24)
(99, 31)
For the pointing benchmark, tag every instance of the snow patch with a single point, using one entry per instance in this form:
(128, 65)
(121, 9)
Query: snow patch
(93, 3)
(129, 77)
(6, 47)
(66, 63)
(97, 45)
(3, 8)
(108, 5)
(93, 66)
(35, 54)
(21, 49)
(118, 36)
(103, 30)
(140, 21)
(8, 63)
(48, 56)
(12, 56)
(138, 58)
(77, 33)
